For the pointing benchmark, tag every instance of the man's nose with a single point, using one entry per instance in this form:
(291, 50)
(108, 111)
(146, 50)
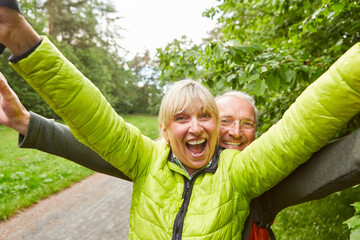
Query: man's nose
(236, 130)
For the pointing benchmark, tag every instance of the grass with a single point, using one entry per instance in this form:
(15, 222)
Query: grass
(27, 176)
(146, 124)
(318, 220)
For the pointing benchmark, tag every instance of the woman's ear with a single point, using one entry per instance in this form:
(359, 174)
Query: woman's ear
(165, 135)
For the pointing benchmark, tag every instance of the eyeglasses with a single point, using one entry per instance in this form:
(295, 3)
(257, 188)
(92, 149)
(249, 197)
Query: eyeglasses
(245, 124)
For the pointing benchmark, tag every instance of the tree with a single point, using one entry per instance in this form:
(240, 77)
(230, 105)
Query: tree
(271, 49)
(150, 91)
(74, 27)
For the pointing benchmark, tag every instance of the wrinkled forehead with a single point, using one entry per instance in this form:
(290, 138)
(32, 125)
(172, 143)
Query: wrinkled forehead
(235, 107)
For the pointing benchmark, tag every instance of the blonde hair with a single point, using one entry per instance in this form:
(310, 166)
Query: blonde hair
(181, 95)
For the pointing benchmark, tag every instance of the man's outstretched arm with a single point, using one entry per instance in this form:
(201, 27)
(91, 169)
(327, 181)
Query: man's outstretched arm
(51, 137)
(334, 168)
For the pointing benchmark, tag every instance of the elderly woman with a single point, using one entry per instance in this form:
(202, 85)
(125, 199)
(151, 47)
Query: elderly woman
(184, 187)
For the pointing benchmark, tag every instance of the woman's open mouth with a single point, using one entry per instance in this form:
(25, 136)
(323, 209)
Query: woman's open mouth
(196, 147)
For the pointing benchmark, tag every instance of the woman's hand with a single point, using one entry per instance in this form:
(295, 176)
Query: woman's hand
(12, 113)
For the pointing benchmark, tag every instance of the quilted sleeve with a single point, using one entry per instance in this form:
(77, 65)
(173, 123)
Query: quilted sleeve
(85, 110)
(317, 114)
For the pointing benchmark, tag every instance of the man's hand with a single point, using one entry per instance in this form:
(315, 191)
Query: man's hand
(15, 32)
(12, 113)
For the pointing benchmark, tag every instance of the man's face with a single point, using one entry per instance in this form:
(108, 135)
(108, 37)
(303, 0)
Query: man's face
(235, 136)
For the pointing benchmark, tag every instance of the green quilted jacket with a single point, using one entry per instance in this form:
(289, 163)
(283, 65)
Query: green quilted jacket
(215, 203)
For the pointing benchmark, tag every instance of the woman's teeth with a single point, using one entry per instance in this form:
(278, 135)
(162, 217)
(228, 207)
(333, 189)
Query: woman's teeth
(195, 142)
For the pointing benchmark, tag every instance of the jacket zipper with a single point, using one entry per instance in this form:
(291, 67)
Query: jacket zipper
(188, 187)
(179, 220)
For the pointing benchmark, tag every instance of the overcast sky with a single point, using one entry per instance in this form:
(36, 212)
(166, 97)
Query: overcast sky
(151, 24)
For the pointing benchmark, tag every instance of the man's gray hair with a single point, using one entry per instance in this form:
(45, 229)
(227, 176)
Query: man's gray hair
(244, 96)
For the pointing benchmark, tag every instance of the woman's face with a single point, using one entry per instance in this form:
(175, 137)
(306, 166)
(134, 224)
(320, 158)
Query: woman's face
(192, 135)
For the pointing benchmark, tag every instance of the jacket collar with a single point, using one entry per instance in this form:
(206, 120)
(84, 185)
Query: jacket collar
(213, 165)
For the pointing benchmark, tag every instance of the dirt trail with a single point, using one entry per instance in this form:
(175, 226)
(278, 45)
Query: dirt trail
(95, 208)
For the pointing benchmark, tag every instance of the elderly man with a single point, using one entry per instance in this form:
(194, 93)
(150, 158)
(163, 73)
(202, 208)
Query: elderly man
(238, 123)
(315, 179)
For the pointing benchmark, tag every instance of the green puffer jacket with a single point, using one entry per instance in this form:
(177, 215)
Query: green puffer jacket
(215, 204)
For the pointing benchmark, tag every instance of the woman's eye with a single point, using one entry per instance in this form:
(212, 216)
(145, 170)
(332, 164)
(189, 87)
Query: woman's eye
(206, 115)
(180, 118)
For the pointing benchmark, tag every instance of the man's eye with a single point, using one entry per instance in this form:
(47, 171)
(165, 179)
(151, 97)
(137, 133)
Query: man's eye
(225, 121)
(246, 123)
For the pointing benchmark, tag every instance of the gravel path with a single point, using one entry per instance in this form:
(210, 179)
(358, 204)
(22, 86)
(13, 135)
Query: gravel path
(95, 208)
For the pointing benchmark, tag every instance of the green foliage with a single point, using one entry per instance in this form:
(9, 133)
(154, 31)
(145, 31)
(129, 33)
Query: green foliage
(354, 223)
(180, 60)
(270, 49)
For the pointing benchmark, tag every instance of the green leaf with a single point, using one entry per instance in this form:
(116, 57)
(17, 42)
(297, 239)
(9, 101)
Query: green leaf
(337, 8)
(218, 52)
(311, 28)
(357, 207)
(355, 235)
(243, 78)
(340, 42)
(252, 77)
(238, 59)
(260, 87)
(330, 15)
(289, 75)
(219, 84)
(243, 49)
(273, 82)
(231, 77)
(338, 45)
(249, 67)
(258, 47)
(281, 74)
(353, 222)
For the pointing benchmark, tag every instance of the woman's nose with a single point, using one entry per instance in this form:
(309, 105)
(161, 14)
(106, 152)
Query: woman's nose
(195, 126)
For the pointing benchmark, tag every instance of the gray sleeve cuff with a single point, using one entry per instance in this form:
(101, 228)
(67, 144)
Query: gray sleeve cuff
(29, 140)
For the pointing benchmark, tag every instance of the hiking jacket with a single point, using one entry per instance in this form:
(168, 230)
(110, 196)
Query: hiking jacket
(215, 203)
